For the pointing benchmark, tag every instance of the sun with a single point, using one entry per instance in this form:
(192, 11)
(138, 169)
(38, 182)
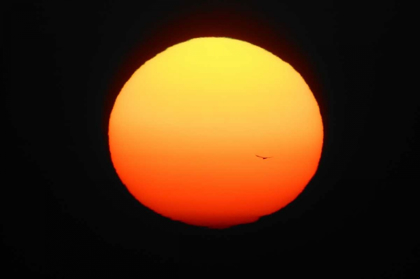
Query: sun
(187, 128)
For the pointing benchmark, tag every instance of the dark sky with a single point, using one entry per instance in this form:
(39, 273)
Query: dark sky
(66, 213)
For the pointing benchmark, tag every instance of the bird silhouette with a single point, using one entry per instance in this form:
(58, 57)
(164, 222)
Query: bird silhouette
(263, 157)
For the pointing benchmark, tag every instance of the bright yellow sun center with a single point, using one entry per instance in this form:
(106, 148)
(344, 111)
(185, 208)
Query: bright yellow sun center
(185, 130)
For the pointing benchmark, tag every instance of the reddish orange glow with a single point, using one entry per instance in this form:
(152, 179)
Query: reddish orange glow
(185, 130)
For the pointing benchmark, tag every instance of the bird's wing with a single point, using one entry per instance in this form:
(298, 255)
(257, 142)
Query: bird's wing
(259, 156)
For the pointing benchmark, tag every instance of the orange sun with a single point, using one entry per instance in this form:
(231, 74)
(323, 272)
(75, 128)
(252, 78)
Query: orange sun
(187, 128)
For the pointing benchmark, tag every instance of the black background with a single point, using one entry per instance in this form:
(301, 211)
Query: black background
(66, 213)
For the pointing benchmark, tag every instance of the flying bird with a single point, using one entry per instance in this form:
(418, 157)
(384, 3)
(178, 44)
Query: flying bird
(263, 157)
